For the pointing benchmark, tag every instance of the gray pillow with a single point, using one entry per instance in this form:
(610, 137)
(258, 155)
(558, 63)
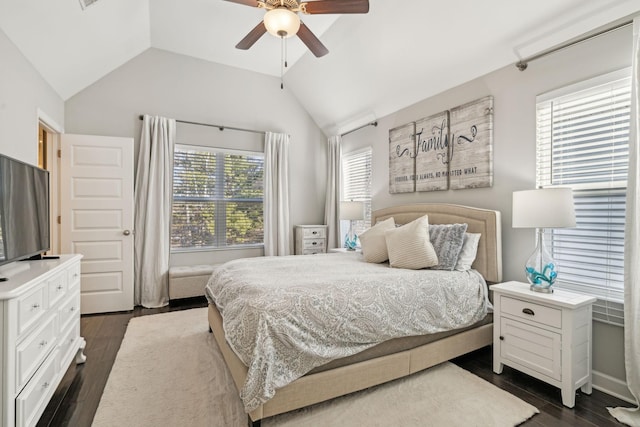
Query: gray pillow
(447, 240)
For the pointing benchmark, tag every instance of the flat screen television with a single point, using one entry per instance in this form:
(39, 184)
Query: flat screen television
(24, 210)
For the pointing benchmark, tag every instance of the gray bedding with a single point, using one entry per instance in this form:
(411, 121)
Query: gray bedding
(284, 316)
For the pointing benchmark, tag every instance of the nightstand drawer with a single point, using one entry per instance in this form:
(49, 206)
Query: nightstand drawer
(313, 233)
(313, 251)
(532, 311)
(312, 243)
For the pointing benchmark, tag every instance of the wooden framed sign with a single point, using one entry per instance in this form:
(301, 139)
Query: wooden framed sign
(402, 165)
(432, 152)
(471, 145)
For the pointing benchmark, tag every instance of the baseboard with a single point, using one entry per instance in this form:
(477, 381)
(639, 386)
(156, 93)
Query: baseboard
(613, 386)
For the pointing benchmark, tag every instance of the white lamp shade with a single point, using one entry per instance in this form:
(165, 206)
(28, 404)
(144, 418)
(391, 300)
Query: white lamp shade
(281, 22)
(543, 208)
(352, 210)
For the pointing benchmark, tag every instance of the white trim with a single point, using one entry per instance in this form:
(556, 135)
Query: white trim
(48, 122)
(612, 386)
(608, 78)
(210, 149)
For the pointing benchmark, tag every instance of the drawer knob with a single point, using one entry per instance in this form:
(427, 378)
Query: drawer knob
(45, 385)
(72, 309)
(314, 243)
(43, 343)
(314, 232)
(501, 338)
(35, 306)
(59, 287)
(528, 311)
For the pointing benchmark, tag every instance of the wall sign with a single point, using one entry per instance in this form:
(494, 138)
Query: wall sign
(449, 150)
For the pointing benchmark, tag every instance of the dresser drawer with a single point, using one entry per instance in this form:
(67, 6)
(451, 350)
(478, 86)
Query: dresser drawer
(66, 344)
(31, 307)
(57, 287)
(32, 401)
(73, 276)
(531, 311)
(314, 232)
(32, 351)
(69, 311)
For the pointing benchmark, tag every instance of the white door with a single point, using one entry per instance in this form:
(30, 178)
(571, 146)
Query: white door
(96, 205)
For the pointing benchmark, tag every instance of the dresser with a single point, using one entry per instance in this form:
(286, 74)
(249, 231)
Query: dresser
(547, 336)
(40, 308)
(310, 239)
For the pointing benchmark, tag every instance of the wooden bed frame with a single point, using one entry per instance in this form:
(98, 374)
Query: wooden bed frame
(325, 385)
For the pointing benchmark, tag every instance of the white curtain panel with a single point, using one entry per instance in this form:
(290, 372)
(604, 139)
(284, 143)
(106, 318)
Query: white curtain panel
(276, 194)
(153, 197)
(631, 416)
(334, 186)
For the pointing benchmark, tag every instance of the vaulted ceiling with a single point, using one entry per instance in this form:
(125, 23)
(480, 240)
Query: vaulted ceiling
(397, 54)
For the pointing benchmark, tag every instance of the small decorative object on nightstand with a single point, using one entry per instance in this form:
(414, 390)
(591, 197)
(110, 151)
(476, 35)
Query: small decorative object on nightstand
(311, 239)
(547, 336)
(542, 208)
(351, 211)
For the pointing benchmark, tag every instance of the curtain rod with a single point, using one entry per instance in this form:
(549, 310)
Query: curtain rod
(523, 63)
(217, 126)
(360, 127)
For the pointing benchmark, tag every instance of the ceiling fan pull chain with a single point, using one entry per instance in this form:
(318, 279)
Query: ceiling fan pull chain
(283, 61)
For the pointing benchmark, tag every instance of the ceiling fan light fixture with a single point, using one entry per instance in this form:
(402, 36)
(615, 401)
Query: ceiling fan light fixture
(281, 22)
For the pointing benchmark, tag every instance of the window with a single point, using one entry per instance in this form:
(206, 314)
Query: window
(583, 143)
(356, 184)
(217, 198)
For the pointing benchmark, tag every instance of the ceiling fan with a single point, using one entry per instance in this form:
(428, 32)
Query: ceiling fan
(282, 20)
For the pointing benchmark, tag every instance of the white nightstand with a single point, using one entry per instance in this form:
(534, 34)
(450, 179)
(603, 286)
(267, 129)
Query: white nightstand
(547, 336)
(310, 239)
(345, 251)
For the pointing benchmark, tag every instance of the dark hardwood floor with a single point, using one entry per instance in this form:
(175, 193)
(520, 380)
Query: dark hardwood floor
(76, 399)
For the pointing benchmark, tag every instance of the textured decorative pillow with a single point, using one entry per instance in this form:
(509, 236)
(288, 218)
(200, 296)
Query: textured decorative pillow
(447, 240)
(373, 244)
(468, 251)
(409, 245)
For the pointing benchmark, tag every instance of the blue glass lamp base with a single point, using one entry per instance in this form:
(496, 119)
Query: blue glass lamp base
(350, 243)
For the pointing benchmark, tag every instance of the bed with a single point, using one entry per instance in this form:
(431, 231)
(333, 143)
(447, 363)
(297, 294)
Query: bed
(392, 359)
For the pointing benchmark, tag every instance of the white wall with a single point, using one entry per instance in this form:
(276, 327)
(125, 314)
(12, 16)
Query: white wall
(162, 83)
(22, 93)
(514, 95)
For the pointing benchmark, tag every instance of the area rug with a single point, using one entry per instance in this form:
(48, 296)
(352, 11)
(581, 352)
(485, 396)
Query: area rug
(170, 372)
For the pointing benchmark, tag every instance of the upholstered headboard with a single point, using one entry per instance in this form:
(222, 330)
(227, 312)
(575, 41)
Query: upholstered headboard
(486, 222)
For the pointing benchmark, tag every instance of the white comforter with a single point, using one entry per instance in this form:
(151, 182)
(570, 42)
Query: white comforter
(284, 316)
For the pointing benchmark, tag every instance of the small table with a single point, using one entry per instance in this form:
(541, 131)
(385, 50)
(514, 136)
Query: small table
(547, 336)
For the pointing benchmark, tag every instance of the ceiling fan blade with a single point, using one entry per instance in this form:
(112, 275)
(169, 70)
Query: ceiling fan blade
(336, 6)
(308, 38)
(253, 3)
(252, 37)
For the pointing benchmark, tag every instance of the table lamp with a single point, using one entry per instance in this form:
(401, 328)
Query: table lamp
(542, 208)
(352, 211)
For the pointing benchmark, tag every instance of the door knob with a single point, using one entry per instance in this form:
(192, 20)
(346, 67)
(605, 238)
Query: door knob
(126, 232)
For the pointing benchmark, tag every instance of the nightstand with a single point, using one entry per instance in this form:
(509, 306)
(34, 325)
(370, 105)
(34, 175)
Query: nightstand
(311, 239)
(345, 251)
(547, 336)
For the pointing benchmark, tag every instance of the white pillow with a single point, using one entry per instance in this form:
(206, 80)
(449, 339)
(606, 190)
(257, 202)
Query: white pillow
(409, 245)
(372, 242)
(468, 251)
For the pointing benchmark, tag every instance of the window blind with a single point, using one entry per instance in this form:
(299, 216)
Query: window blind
(356, 172)
(583, 143)
(217, 198)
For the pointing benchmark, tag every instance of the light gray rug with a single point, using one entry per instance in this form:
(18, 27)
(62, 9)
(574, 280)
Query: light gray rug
(169, 372)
